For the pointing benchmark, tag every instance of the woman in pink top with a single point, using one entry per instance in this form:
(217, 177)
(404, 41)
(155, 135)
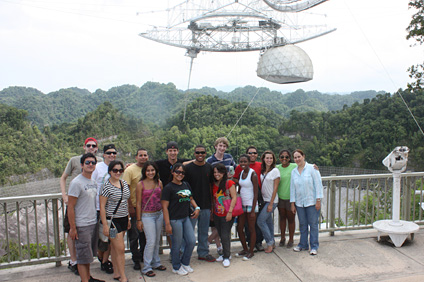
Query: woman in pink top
(149, 216)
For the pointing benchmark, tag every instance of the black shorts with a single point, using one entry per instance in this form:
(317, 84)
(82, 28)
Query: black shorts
(121, 223)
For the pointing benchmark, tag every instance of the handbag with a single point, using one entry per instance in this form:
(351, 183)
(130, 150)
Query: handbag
(261, 201)
(102, 236)
(238, 208)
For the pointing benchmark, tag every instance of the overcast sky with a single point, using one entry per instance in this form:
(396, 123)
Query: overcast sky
(54, 44)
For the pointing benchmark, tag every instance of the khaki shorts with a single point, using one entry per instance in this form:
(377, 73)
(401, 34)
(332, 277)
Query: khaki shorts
(86, 244)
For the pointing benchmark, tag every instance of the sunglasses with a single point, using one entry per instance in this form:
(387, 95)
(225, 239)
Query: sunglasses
(180, 172)
(90, 162)
(200, 152)
(111, 153)
(253, 153)
(285, 157)
(115, 170)
(91, 145)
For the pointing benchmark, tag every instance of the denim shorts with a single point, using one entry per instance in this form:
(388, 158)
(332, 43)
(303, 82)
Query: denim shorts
(249, 208)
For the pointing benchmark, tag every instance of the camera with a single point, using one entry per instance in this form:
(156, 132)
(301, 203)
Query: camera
(112, 232)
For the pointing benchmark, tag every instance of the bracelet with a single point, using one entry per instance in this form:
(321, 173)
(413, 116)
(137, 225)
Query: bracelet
(197, 208)
(318, 200)
(138, 219)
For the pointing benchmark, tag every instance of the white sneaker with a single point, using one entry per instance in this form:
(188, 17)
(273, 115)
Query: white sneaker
(187, 268)
(180, 271)
(221, 258)
(226, 263)
(313, 252)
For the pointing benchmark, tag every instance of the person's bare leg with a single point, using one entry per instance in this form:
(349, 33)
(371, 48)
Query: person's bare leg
(251, 223)
(71, 247)
(283, 226)
(292, 224)
(240, 231)
(84, 272)
(118, 256)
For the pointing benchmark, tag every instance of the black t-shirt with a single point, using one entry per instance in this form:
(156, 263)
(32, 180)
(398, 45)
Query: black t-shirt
(178, 197)
(165, 169)
(199, 179)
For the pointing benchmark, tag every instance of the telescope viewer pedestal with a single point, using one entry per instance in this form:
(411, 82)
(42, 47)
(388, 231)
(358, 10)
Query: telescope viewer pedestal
(398, 230)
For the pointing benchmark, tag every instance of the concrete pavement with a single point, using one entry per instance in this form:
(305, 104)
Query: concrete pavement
(347, 256)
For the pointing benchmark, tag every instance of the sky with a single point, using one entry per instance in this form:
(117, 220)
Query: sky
(94, 44)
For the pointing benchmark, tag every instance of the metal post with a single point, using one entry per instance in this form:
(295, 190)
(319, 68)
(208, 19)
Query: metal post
(332, 204)
(396, 199)
(56, 231)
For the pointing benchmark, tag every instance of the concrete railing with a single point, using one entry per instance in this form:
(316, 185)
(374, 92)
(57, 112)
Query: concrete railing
(350, 202)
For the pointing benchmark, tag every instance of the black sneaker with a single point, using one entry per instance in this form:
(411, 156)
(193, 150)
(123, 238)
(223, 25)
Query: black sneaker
(73, 268)
(259, 247)
(107, 267)
(136, 265)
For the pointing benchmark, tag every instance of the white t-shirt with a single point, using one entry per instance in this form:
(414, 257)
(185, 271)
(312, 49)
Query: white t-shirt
(101, 176)
(268, 184)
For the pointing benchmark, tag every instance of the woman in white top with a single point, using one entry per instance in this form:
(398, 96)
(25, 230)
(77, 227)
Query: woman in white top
(248, 182)
(270, 178)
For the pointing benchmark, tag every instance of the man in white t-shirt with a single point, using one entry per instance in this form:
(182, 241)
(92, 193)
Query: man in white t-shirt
(101, 176)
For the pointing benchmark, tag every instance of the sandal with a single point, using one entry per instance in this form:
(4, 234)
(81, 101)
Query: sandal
(160, 268)
(269, 249)
(117, 278)
(150, 274)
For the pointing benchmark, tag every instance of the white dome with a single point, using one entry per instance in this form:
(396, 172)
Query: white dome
(286, 64)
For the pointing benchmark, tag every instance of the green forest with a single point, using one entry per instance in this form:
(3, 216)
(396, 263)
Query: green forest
(358, 130)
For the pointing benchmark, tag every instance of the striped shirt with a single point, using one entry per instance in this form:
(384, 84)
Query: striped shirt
(113, 195)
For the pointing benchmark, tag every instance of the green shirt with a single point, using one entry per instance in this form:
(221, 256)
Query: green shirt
(285, 177)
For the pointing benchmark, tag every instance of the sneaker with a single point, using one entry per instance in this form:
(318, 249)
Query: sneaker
(221, 258)
(107, 267)
(242, 253)
(313, 252)
(187, 268)
(180, 271)
(136, 265)
(208, 258)
(297, 249)
(220, 251)
(248, 256)
(259, 247)
(226, 263)
(72, 267)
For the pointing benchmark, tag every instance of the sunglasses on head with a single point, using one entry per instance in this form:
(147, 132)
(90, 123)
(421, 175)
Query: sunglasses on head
(200, 152)
(90, 162)
(115, 170)
(91, 145)
(180, 172)
(110, 153)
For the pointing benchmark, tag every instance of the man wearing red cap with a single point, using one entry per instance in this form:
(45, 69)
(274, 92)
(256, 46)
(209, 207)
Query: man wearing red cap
(73, 169)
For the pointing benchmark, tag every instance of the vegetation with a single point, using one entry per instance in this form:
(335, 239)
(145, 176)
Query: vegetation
(416, 32)
(44, 251)
(155, 102)
(360, 135)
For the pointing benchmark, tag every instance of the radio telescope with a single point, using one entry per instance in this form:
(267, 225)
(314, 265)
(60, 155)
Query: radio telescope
(269, 26)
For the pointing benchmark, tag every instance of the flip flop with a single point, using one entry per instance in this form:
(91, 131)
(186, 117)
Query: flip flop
(150, 274)
(160, 268)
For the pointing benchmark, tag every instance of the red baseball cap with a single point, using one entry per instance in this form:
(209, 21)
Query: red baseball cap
(90, 139)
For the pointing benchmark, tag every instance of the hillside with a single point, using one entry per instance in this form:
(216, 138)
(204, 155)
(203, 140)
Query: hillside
(155, 102)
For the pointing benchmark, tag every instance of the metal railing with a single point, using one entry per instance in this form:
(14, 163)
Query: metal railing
(350, 202)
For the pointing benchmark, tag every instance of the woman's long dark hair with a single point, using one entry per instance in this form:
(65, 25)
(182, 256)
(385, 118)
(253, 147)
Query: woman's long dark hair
(223, 184)
(144, 169)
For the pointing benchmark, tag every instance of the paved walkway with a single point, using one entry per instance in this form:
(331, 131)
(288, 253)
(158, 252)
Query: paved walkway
(347, 256)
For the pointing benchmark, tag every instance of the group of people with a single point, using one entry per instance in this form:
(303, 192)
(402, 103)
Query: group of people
(176, 195)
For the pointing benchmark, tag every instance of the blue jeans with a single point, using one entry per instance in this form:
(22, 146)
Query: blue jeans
(266, 223)
(202, 231)
(182, 230)
(152, 226)
(308, 217)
